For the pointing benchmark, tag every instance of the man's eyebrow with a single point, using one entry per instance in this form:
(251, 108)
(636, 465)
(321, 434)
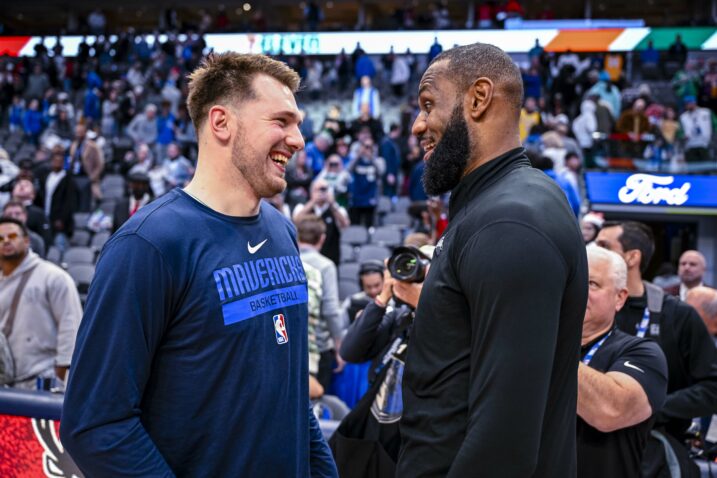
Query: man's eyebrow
(425, 86)
(292, 114)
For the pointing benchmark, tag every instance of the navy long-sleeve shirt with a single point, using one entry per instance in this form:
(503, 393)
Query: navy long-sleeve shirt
(191, 359)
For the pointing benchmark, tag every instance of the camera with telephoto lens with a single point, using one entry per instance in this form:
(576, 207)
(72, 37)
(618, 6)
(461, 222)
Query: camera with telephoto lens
(408, 264)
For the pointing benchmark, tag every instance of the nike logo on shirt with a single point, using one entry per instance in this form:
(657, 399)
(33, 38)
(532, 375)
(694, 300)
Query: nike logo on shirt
(253, 249)
(628, 364)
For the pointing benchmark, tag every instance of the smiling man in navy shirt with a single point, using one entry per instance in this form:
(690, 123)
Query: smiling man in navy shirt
(192, 355)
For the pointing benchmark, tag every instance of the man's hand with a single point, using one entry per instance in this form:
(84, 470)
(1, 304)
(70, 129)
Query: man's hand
(408, 292)
(340, 363)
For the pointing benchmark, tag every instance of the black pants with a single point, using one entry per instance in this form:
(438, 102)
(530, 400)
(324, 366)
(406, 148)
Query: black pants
(362, 215)
(326, 369)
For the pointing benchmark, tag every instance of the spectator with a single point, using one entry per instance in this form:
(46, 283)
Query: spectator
(704, 300)
(691, 269)
(143, 128)
(696, 125)
(677, 51)
(32, 122)
(16, 114)
(8, 173)
(400, 75)
(178, 170)
(690, 352)
(37, 83)
(366, 125)
(366, 172)
(337, 178)
(364, 67)
(650, 60)
(390, 151)
(41, 324)
(608, 93)
(97, 22)
(58, 198)
(529, 117)
(367, 95)
(298, 179)
(323, 205)
(16, 210)
(622, 380)
(371, 280)
(110, 107)
(633, 122)
(87, 162)
(165, 128)
(584, 128)
(140, 194)
(24, 192)
(316, 151)
(590, 226)
(311, 232)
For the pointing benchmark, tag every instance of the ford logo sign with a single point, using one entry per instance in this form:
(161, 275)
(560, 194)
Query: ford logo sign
(649, 189)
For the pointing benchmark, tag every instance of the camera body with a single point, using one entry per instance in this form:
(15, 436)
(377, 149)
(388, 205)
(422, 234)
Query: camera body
(408, 264)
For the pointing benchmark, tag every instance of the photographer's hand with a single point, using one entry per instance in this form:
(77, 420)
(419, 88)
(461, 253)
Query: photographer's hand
(408, 292)
(387, 291)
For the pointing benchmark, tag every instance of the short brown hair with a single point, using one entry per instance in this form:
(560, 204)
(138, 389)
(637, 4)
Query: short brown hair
(228, 76)
(310, 229)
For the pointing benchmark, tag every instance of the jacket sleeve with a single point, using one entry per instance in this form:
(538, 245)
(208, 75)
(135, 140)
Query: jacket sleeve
(128, 304)
(368, 335)
(321, 460)
(513, 278)
(67, 312)
(699, 357)
(330, 302)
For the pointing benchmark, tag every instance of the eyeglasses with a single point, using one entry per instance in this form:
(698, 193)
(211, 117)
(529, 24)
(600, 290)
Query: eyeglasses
(323, 189)
(10, 237)
(333, 164)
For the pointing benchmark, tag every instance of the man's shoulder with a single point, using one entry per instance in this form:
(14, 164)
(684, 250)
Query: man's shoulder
(623, 342)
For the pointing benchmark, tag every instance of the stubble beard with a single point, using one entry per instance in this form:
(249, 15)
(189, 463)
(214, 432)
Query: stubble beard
(255, 173)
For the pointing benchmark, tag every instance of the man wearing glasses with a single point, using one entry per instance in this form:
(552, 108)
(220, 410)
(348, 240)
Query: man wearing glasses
(40, 310)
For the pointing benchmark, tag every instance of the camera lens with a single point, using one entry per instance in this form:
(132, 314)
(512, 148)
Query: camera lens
(405, 265)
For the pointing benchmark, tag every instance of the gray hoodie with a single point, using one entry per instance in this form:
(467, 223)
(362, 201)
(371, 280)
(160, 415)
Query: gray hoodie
(47, 317)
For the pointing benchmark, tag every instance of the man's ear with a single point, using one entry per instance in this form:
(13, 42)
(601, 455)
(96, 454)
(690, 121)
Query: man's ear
(480, 95)
(218, 122)
(633, 258)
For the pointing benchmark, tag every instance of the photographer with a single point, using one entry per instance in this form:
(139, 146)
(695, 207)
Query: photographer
(380, 333)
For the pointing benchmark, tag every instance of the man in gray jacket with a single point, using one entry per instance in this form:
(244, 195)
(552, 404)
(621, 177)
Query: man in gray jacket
(47, 313)
(330, 328)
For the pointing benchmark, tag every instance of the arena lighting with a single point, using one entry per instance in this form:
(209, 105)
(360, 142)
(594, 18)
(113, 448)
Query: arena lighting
(380, 42)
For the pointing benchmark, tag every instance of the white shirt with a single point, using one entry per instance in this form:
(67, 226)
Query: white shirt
(684, 290)
(53, 179)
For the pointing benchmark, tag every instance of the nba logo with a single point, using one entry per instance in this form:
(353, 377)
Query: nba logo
(280, 329)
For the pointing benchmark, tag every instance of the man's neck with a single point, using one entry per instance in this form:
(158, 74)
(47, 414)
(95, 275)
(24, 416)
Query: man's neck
(635, 287)
(306, 245)
(502, 145)
(9, 265)
(692, 284)
(590, 335)
(221, 187)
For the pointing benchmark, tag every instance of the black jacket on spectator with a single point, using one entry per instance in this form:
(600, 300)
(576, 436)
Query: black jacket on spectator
(37, 222)
(64, 204)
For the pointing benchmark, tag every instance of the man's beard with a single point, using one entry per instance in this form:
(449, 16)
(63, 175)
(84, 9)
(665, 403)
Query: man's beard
(445, 166)
(254, 173)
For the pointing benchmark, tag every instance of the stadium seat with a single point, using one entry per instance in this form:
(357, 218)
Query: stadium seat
(389, 236)
(348, 270)
(99, 239)
(384, 205)
(397, 219)
(82, 274)
(348, 287)
(81, 219)
(347, 253)
(330, 407)
(80, 238)
(355, 235)
(54, 255)
(78, 255)
(372, 252)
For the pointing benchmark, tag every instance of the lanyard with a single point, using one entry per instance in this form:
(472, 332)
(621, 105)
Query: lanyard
(589, 356)
(642, 328)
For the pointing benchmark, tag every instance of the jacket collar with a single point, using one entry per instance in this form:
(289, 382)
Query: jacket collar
(484, 176)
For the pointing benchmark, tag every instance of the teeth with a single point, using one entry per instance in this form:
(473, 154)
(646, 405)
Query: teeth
(279, 158)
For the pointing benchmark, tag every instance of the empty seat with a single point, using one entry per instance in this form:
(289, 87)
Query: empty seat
(397, 219)
(372, 252)
(348, 287)
(389, 236)
(402, 204)
(80, 238)
(384, 205)
(82, 274)
(99, 239)
(355, 235)
(112, 180)
(54, 255)
(347, 253)
(81, 219)
(348, 270)
(78, 255)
